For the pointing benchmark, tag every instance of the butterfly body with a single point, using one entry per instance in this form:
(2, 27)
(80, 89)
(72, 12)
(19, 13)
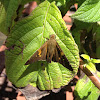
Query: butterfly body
(51, 48)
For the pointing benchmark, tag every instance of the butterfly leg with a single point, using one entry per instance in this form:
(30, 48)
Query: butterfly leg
(49, 57)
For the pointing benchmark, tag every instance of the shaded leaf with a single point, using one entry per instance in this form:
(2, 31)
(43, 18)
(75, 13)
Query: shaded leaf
(7, 14)
(98, 42)
(76, 36)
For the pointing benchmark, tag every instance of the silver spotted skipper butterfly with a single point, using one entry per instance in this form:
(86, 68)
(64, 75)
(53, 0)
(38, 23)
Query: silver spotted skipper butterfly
(50, 51)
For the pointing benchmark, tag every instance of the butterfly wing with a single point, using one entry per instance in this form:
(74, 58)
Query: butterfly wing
(51, 53)
(40, 54)
(61, 58)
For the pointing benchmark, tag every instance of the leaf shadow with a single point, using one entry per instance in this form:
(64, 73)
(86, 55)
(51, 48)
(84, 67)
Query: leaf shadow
(36, 66)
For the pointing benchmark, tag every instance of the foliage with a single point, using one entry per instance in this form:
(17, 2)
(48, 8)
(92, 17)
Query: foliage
(86, 90)
(27, 35)
(89, 11)
(32, 32)
(90, 63)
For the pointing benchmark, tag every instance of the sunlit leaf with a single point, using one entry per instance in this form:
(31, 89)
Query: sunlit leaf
(89, 11)
(85, 56)
(86, 90)
(95, 60)
(27, 36)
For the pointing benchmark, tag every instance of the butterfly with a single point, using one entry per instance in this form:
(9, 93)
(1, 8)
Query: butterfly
(50, 51)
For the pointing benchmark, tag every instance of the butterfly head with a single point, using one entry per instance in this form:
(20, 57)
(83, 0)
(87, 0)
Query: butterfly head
(52, 36)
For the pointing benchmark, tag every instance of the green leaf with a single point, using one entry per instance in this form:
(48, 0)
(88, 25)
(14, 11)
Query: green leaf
(88, 11)
(86, 90)
(85, 56)
(27, 36)
(63, 2)
(91, 66)
(76, 36)
(89, 63)
(98, 41)
(83, 25)
(28, 1)
(7, 14)
(80, 2)
(95, 60)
